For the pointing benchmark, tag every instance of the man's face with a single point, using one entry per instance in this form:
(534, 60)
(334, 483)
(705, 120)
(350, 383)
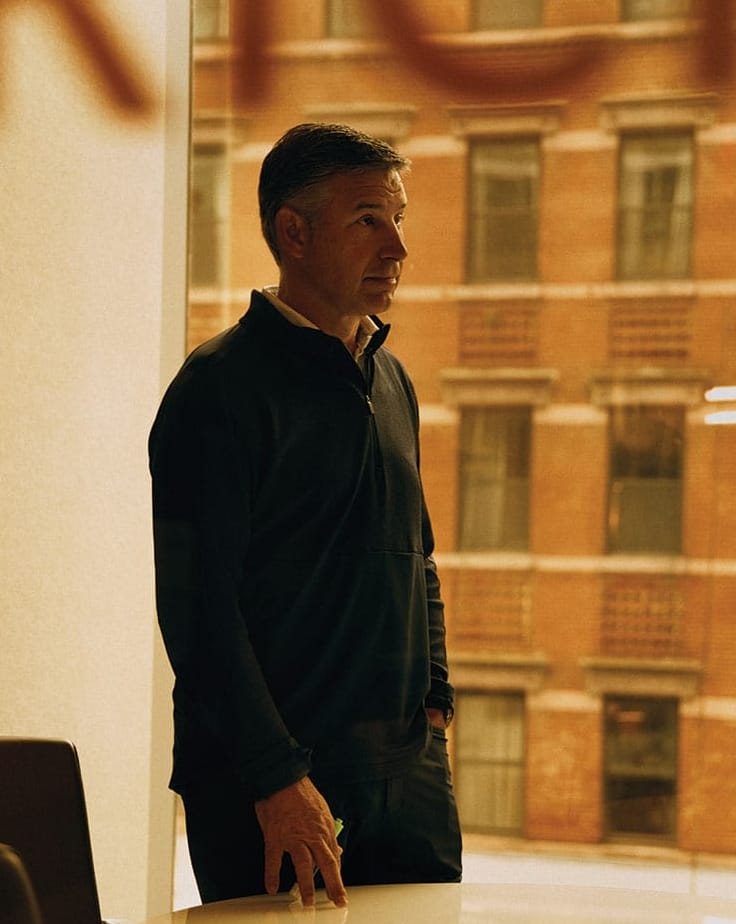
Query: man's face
(355, 245)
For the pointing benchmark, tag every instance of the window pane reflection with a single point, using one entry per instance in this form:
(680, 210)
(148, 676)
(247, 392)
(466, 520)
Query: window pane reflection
(490, 761)
(645, 495)
(495, 446)
(640, 766)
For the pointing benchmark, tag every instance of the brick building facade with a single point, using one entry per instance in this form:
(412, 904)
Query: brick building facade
(566, 310)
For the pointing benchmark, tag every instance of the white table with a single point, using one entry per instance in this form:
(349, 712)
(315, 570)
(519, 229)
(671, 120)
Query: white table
(470, 903)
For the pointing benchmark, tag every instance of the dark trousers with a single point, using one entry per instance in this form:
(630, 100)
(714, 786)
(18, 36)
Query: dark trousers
(403, 829)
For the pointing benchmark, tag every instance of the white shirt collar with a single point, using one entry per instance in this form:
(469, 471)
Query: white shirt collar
(366, 329)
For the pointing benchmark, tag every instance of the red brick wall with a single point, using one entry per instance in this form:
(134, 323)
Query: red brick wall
(571, 333)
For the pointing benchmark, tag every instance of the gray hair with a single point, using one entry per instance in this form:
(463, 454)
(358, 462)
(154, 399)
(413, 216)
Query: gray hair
(305, 157)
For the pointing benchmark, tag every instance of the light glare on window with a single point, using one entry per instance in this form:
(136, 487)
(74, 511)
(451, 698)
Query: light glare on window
(721, 393)
(721, 417)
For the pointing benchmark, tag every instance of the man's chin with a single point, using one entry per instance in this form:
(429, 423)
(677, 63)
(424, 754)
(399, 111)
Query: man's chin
(380, 303)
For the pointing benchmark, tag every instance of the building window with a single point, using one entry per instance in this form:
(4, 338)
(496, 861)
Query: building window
(494, 478)
(210, 20)
(391, 122)
(639, 10)
(655, 206)
(640, 767)
(503, 210)
(209, 215)
(349, 19)
(645, 485)
(489, 761)
(500, 14)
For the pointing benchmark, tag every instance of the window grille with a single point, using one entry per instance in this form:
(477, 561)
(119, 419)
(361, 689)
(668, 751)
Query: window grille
(651, 335)
(490, 610)
(642, 616)
(499, 336)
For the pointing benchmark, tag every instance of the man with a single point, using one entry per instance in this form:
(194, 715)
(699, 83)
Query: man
(296, 590)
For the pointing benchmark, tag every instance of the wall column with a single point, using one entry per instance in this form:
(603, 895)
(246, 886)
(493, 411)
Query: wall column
(93, 295)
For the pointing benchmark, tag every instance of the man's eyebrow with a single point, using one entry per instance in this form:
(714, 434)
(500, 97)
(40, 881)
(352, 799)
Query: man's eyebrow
(378, 206)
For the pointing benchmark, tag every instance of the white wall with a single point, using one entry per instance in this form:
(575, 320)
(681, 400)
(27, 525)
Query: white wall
(92, 296)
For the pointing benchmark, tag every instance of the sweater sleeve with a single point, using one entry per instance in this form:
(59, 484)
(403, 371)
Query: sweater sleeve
(201, 532)
(441, 692)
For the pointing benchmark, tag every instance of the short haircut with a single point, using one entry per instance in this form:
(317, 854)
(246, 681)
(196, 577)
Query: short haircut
(309, 154)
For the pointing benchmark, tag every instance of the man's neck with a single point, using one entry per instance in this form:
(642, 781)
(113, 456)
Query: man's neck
(345, 328)
(365, 330)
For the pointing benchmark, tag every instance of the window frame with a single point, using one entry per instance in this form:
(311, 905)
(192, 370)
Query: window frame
(495, 766)
(508, 526)
(668, 772)
(349, 20)
(482, 18)
(637, 211)
(485, 223)
(220, 14)
(616, 509)
(219, 240)
(663, 9)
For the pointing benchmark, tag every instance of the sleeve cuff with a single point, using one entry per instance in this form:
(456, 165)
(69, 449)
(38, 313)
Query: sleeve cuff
(269, 779)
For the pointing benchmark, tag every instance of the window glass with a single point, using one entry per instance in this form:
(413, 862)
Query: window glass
(640, 753)
(500, 14)
(645, 489)
(210, 20)
(209, 214)
(349, 19)
(633, 10)
(503, 210)
(489, 748)
(634, 587)
(494, 478)
(655, 206)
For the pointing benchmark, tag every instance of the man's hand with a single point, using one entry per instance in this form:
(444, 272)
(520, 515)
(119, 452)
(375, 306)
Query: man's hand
(436, 718)
(297, 820)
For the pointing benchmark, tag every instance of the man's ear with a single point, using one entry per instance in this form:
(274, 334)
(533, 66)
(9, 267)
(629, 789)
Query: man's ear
(291, 232)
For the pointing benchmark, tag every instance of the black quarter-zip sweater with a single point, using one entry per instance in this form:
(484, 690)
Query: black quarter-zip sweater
(296, 591)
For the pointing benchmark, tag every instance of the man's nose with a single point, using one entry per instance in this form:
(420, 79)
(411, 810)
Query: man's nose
(394, 247)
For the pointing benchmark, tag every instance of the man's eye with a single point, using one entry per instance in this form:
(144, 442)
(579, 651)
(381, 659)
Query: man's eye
(367, 220)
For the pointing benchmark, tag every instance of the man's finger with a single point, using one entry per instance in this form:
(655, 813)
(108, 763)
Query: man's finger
(272, 868)
(301, 859)
(333, 883)
(327, 860)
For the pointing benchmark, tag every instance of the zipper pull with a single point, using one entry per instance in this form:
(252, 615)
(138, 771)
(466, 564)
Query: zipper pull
(370, 404)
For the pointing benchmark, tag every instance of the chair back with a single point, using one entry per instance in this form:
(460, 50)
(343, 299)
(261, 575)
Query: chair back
(18, 903)
(43, 815)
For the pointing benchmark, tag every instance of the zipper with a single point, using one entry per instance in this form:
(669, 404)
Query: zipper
(370, 369)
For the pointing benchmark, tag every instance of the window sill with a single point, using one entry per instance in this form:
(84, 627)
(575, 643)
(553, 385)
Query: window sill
(490, 671)
(487, 40)
(642, 677)
(498, 386)
(652, 385)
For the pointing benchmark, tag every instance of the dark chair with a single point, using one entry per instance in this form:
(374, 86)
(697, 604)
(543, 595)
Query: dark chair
(18, 903)
(44, 816)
